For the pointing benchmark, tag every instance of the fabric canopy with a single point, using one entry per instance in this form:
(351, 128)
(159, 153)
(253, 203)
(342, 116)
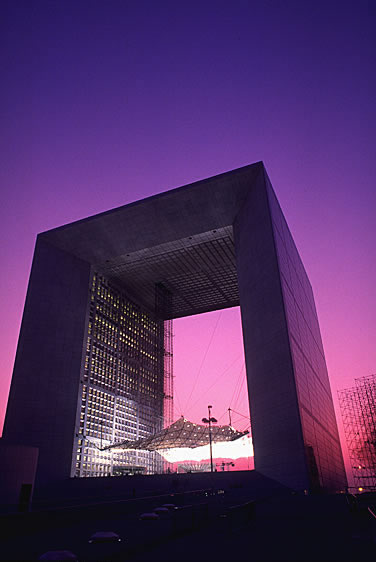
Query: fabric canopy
(182, 434)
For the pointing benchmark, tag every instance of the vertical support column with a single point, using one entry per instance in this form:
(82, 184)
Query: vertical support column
(163, 309)
(276, 426)
(168, 369)
(46, 379)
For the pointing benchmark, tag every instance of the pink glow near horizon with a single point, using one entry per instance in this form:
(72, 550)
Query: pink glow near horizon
(109, 105)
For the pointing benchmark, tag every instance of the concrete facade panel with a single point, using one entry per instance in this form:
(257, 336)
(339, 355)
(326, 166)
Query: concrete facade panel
(43, 397)
(276, 428)
(321, 440)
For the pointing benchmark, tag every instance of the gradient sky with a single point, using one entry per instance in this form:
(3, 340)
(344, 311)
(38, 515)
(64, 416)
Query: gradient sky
(104, 103)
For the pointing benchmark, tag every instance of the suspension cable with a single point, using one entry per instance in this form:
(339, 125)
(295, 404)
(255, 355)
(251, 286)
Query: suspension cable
(237, 383)
(203, 360)
(239, 394)
(216, 380)
(239, 414)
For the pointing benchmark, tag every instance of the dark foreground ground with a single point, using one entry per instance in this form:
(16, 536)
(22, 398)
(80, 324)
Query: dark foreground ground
(212, 524)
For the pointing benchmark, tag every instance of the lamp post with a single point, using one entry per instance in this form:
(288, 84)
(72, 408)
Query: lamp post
(209, 421)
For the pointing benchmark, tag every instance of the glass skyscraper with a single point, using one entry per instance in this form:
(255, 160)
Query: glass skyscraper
(123, 391)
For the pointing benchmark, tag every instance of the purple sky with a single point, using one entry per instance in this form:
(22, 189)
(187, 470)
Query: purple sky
(108, 102)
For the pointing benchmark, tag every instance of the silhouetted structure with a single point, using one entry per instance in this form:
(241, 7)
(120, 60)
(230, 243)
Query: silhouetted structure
(93, 353)
(358, 408)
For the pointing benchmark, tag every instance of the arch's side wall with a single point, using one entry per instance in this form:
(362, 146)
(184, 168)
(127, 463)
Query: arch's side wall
(320, 433)
(43, 397)
(276, 428)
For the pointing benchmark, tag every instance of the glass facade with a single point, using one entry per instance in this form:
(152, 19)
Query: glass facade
(320, 434)
(123, 384)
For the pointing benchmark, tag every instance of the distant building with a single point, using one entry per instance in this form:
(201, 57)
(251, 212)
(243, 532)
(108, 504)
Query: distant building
(358, 409)
(94, 357)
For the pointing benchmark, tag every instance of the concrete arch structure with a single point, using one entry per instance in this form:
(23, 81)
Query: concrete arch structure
(216, 243)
